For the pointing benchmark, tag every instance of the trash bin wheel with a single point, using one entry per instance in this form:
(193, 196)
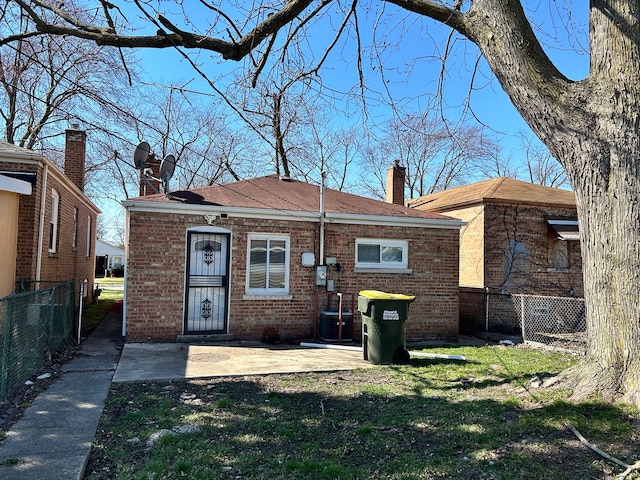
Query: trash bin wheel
(401, 356)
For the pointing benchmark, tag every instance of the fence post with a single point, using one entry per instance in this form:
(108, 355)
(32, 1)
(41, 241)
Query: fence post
(80, 312)
(486, 309)
(522, 322)
(6, 339)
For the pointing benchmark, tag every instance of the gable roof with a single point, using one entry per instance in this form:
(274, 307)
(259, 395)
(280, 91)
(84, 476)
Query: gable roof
(498, 190)
(104, 248)
(9, 150)
(274, 197)
(12, 154)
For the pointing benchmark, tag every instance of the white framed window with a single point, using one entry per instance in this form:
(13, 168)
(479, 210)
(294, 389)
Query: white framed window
(377, 253)
(268, 258)
(53, 223)
(74, 239)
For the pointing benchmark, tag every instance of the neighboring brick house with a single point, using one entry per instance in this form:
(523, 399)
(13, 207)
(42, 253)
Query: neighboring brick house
(240, 260)
(56, 222)
(518, 238)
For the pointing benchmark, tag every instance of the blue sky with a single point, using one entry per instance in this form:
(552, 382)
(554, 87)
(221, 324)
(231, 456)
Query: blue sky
(412, 66)
(413, 74)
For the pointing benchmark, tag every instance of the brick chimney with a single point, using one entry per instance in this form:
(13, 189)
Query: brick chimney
(148, 185)
(75, 150)
(395, 183)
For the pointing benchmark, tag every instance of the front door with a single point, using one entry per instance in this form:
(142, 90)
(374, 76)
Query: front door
(207, 283)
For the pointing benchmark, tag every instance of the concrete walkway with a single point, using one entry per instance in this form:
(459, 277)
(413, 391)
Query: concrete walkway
(53, 437)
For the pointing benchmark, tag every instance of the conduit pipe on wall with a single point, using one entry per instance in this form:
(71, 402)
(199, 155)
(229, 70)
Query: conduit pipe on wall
(323, 176)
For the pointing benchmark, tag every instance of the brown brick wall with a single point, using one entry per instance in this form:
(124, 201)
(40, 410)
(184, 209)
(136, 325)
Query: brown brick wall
(74, 156)
(156, 277)
(472, 309)
(530, 271)
(69, 262)
(472, 243)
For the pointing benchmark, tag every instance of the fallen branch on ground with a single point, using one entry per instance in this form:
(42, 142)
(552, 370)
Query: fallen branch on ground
(584, 441)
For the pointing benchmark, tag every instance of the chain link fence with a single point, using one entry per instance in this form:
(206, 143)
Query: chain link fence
(33, 325)
(558, 322)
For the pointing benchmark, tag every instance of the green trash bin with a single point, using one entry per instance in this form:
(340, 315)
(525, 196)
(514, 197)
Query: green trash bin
(383, 326)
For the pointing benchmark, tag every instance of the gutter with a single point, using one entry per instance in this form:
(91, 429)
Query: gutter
(292, 215)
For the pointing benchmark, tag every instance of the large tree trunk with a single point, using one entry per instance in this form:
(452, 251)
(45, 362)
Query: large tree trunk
(607, 187)
(593, 128)
(609, 215)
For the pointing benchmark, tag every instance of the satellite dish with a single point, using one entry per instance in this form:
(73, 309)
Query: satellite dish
(141, 154)
(167, 168)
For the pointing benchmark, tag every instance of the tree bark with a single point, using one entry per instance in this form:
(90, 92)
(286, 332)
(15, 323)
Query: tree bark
(592, 128)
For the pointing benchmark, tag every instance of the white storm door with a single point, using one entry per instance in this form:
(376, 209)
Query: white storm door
(207, 286)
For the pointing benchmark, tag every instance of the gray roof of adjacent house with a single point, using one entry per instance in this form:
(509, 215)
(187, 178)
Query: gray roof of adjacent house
(9, 150)
(104, 248)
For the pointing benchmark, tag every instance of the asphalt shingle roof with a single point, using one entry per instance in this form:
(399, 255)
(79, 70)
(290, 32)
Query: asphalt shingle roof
(272, 192)
(497, 190)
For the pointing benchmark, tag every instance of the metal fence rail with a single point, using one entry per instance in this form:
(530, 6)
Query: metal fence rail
(555, 321)
(32, 324)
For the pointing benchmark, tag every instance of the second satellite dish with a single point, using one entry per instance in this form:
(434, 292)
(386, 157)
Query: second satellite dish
(141, 154)
(167, 168)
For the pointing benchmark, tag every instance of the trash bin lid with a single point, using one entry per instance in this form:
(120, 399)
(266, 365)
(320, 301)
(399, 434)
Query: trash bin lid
(378, 295)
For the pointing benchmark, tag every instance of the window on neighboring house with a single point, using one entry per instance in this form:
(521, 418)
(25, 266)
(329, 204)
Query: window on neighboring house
(88, 236)
(53, 224)
(375, 253)
(559, 254)
(268, 264)
(74, 240)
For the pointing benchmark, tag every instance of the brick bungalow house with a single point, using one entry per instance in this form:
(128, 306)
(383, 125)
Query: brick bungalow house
(56, 222)
(251, 260)
(518, 238)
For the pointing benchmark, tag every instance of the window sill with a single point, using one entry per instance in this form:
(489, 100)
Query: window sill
(382, 270)
(267, 296)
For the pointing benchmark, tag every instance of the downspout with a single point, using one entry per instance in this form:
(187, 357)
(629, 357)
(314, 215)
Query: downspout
(323, 175)
(43, 202)
(126, 265)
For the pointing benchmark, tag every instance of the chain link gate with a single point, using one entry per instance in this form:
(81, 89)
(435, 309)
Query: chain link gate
(558, 322)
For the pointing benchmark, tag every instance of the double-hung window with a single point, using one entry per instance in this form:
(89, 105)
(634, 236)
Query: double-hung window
(268, 264)
(376, 253)
(53, 222)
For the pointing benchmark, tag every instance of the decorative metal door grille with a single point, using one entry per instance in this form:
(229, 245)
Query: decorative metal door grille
(207, 283)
